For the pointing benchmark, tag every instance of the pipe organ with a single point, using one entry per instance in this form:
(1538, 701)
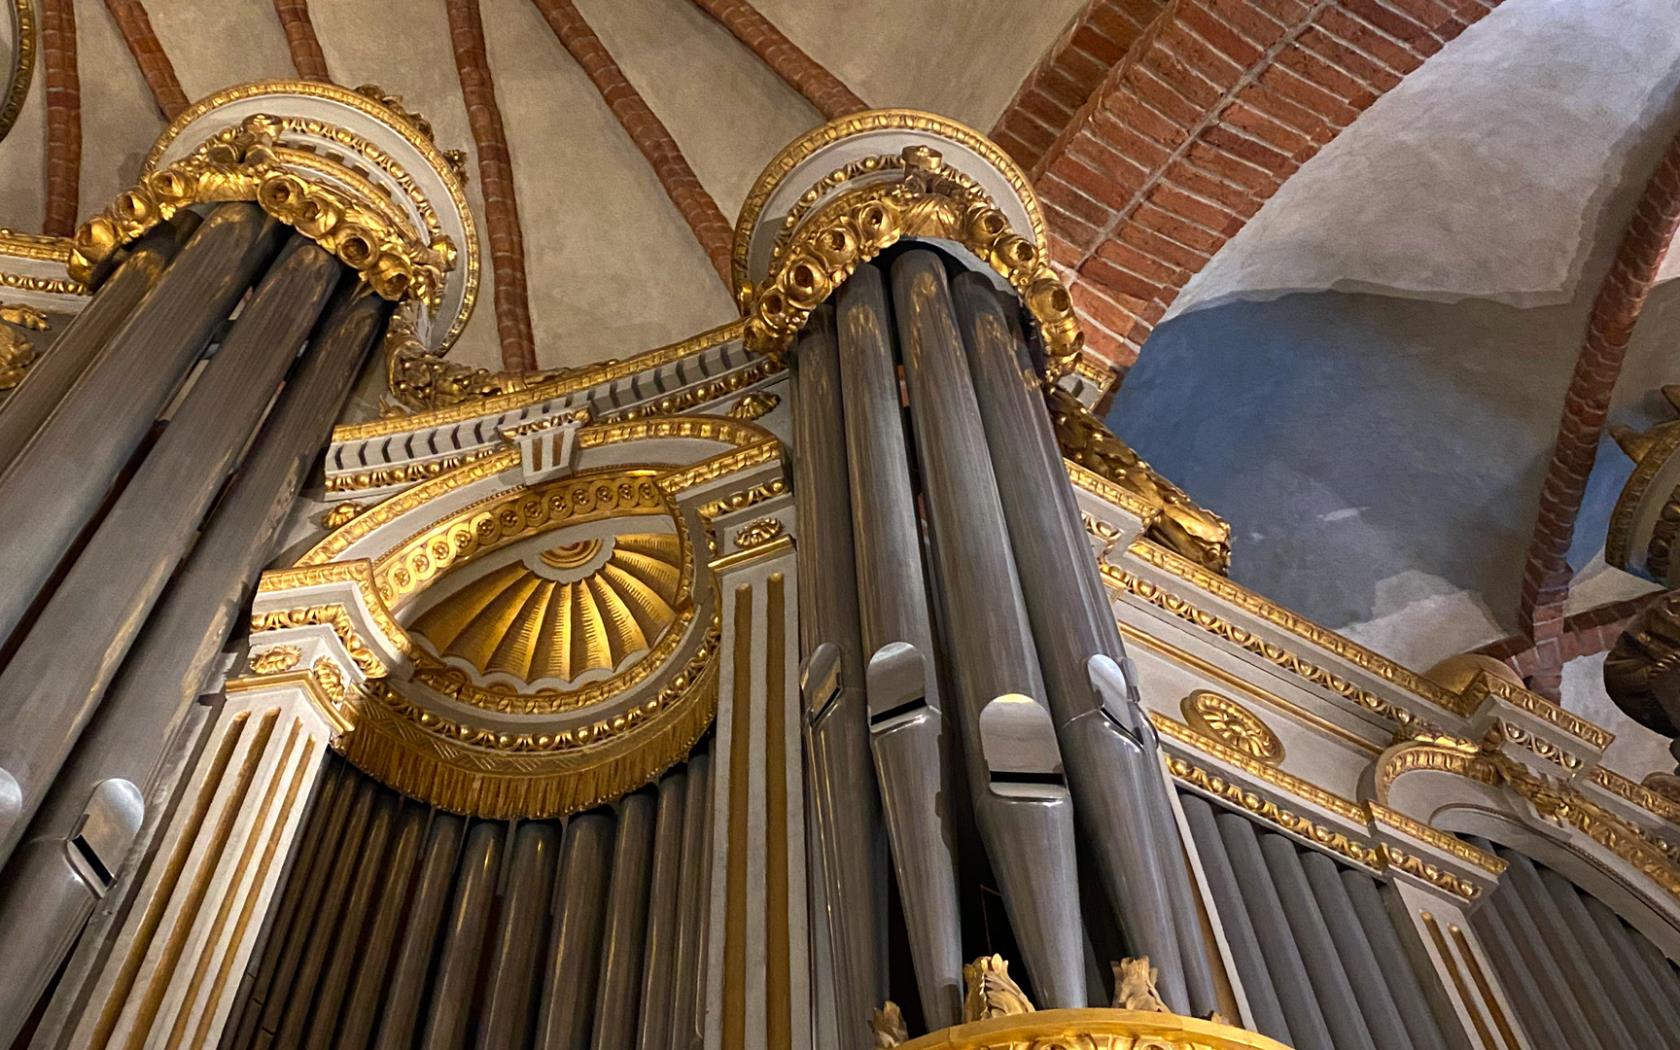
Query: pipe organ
(834, 678)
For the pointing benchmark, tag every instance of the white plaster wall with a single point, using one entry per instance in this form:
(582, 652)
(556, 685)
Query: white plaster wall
(960, 58)
(23, 169)
(1486, 173)
(1636, 750)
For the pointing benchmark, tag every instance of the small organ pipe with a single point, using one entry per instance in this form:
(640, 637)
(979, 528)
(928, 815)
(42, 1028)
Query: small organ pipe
(616, 998)
(658, 962)
(689, 948)
(404, 996)
(513, 973)
(575, 945)
(374, 963)
(453, 990)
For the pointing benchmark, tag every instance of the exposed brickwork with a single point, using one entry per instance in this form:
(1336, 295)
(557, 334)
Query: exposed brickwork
(1586, 633)
(1070, 71)
(64, 116)
(495, 181)
(803, 73)
(301, 40)
(696, 206)
(1198, 123)
(143, 44)
(1621, 296)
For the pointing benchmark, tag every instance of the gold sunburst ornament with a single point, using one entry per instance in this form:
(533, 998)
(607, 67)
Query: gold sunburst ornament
(1233, 725)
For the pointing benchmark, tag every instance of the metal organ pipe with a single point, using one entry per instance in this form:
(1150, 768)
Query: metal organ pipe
(901, 678)
(1107, 742)
(1021, 801)
(845, 806)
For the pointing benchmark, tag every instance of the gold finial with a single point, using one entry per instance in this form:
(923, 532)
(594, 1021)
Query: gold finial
(991, 992)
(1134, 986)
(887, 1023)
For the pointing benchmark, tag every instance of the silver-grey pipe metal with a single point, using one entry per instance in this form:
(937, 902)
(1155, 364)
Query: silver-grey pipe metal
(1580, 977)
(691, 907)
(1022, 805)
(1659, 1003)
(367, 882)
(325, 923)
(625, 936)
(52, 490)
(513, 976)
(1277, 940)
(574, 947)
(1398, 975)
(463, 938)
(1318, 951)
(659, 962)
(901, 681)
(1549, 1012)
(846, 829)
(1659, 965)
(56, 679)
(1112, 766)
(405, 996)
(1234, 919)
(178, 649)
(52, 375)
(1358, 959)
(362, 1007)
(1596, 954)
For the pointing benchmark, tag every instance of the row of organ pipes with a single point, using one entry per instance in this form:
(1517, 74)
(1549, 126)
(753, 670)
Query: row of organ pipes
(965, 685)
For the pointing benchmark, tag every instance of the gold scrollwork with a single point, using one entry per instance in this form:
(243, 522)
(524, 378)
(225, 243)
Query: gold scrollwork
(1270, 812)
(928, 201)
(991, 992)
(1233, 725)
(1094, 1029)
(244, 164)
(756, 405)
(1177, 522)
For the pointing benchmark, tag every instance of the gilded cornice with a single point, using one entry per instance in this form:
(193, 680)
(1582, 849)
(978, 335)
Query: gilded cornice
(545, 387)
(1485, 685)
(796, 152)
(1393, 837)
(1629, 791)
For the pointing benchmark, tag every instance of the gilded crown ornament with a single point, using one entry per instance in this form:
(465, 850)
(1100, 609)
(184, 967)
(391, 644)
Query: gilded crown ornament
(247, 163)
(929, 200)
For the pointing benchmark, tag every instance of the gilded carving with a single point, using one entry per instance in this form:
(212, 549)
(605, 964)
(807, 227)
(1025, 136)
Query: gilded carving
(457, 158)
(929, 201)
(1094, 1029)
(991, 992)
(17, 350)
(340, 514)
(23, 64)
(758, 532)
(246, 164)
(333, 615)
(886, 1025)
(331, 680)
(711, 390)
(1134, 986)
(1270, 812)
(1233, 725)
(421, 381)
(275, 659)
(755, 405)
(1177, 522)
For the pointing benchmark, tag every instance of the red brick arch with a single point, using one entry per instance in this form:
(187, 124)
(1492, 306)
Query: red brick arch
(1193, 127)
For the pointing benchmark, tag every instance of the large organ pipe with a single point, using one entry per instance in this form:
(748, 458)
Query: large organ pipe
(406, 994)
(845, 805)
(617, 996)
(453, 992)
(1106, 741)
(574, 948)
(59, 674)
(49, 379)
(513, 973)
(367, 882)
(1659, 1003)
(53, 489)
(1400, 978)
(658, 966)
(1357, 960)
(1021, 801)
(907, 724)
(374, 960)
(689, 947)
